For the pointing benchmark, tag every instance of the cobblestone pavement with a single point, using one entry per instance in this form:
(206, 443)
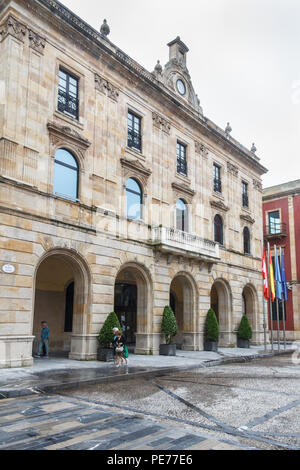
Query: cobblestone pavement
(240, 406)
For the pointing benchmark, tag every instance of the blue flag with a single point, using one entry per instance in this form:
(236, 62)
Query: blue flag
(277, 277)
(283, 277)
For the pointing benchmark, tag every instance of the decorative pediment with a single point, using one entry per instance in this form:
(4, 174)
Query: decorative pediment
(161, 123)
(66, 134)
(182, 190)
(175, 74)
(104, 86)
(247, 218)
(219, 205)
(134, 168)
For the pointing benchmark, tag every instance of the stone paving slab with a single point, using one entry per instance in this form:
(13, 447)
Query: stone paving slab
(89, 427)
(53, 374)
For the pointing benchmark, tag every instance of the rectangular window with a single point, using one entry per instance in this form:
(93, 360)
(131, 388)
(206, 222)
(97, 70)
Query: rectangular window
(245, 200)
(68, 102)
(181, 159)
(134, 131)
(274, 222)
(217, 179)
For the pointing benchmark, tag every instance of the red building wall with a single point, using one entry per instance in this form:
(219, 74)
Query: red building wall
(282, 205)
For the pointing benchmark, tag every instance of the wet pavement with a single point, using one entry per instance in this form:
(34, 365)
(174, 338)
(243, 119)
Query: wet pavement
(58, 373)
(254, 405)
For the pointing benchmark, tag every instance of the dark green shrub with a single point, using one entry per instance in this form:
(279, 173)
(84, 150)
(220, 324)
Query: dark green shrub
(244, 330)
(169, 324)
(212, 331)
(106, 335)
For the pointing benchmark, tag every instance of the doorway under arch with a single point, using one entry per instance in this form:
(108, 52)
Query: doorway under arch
(62, 299)
(182, 302)
(132, 304)
(220, 302)
(250, 305)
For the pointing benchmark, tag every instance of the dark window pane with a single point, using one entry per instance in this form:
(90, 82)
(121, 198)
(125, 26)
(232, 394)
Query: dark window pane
(274, 222)
(68, 94)
(246, 235)
(217, 179)
(218, 229)
(181, 159)
(134, 132)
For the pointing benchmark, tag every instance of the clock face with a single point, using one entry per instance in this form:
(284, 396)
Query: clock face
(181, 87)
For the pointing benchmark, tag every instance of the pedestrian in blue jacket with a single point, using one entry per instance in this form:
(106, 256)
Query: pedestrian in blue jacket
(45, 334)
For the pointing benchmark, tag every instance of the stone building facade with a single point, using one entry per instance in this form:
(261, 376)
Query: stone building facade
(116, 193)
(281, 222)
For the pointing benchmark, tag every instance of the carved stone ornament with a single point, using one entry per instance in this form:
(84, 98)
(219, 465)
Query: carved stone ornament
(36, 41)
(247, 218)
(257, 185)
(219, 205)
(135, 168)
(65, 134)
(161, 123)
(200, 148)
(233, 169)
(12, 27)
(104, 86)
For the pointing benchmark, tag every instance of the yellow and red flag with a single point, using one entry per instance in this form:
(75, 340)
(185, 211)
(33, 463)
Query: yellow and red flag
(271, 275)
(265, 275)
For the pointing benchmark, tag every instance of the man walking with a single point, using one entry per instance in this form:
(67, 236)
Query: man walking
(45, 333)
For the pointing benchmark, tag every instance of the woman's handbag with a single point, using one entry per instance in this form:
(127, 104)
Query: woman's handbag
(125, 352)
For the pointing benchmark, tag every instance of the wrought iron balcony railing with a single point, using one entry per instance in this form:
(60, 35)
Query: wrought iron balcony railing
(217, 185)
(68, 104)
(134, 140)
(276, 229)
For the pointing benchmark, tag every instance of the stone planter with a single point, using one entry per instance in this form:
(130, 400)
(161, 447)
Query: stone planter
(243, 343)
(105, 354)
(167, 349)
(211, 346)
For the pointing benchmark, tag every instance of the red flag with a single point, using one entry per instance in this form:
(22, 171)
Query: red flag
(265, 275)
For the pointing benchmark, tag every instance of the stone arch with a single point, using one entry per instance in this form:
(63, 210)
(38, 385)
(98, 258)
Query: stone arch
(136, 274)
(221, 302)
(250, 305)
(53, 272)
(184, 289)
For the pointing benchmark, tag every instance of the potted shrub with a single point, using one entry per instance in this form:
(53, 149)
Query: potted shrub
(106, 336)
(244, 333)
(211, 332)
(169, 328)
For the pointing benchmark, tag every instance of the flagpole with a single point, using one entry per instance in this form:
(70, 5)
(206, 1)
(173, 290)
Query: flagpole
(277, 304)
(283, 312)
(264, 304)
(270, 300)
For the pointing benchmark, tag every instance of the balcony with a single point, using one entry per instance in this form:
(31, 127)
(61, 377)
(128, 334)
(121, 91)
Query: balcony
(178, 242)
(276, 230)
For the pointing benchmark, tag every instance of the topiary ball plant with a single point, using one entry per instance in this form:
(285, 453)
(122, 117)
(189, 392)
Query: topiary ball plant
(212, 330)
(169, 325)
(244, 330)
(106, 335)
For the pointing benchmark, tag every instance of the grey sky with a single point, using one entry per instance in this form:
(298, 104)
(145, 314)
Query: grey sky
(244, 61)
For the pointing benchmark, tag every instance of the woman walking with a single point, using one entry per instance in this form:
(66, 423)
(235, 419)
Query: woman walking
(120, 349)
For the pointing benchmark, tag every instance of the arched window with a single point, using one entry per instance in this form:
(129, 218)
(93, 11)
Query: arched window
(65, 175)
(134, 199)
(246, 236)
(181, 216)
(218, 229)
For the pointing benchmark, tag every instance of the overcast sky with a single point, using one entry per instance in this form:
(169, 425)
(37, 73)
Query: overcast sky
(244, 62)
